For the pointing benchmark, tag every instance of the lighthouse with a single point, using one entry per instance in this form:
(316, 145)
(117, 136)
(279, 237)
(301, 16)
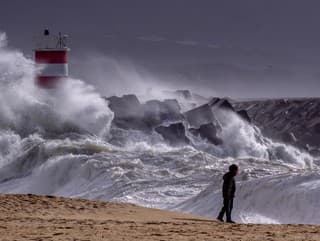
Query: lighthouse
(51, 58)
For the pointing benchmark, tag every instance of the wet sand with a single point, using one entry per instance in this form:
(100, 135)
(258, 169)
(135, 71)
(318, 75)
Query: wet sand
(30, 217)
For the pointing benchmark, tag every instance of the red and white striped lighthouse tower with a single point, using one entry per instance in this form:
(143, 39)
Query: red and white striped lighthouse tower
(51, 57)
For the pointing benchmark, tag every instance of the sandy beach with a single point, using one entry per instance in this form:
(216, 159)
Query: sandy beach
(30, 217)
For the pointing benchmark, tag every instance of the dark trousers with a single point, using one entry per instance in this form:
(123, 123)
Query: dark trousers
(227, 208)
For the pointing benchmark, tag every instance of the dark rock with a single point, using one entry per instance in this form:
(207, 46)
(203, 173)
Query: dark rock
(244, 115)
(217, 103)
(174, 134)
(128, 112)
(157, 112)
(316, 128)
(213, 101)
(125, 106)
(205, 114)
(200, 116)
(208, 132)
(277, 118)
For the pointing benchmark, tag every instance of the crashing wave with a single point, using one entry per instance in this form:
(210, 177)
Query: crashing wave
(61, 142)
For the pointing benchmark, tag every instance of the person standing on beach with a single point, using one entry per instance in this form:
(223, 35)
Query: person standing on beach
(228, 191)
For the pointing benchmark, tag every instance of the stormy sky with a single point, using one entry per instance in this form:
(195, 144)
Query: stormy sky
(236, 48)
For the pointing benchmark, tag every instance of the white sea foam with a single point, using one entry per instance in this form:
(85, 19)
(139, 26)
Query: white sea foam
(27, 109)
(285, 198)
(56, 142)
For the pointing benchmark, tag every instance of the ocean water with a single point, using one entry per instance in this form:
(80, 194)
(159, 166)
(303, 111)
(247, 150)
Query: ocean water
(57, 142)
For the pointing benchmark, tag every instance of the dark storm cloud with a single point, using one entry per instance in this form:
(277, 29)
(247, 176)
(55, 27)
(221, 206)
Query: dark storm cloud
(239, 48)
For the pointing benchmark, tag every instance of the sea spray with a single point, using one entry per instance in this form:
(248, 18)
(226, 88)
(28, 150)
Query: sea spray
(27, 109)
(56, 142)
(244, 140)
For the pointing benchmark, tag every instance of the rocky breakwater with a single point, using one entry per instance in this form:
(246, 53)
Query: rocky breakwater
(293, 121)
(167, 119)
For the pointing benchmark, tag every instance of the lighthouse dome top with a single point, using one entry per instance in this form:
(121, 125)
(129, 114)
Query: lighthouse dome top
(51, 42)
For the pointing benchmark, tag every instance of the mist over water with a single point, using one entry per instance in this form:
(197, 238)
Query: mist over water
(119, 76)
(57, 142)
(28, 109)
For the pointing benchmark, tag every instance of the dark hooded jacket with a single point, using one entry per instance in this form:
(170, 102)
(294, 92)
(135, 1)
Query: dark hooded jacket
(229, 185)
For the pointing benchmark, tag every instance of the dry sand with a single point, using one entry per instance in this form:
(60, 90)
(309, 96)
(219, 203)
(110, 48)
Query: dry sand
(30, 217)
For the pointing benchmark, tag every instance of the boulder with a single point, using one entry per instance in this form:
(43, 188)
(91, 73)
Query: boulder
(243, 114)
(128, 112)
(125, 106)
(205, 114)
(174, 134)
(217, 103)
(199, 116)
(208, 132)
(157, 112)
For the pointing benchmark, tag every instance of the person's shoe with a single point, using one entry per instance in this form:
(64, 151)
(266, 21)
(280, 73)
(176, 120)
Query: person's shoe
(230, 221)
(220, 219)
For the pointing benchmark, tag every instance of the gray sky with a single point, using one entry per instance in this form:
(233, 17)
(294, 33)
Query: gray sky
(237, 48)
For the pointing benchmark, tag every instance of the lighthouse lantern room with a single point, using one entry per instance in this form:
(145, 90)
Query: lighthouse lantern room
(51, 59)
